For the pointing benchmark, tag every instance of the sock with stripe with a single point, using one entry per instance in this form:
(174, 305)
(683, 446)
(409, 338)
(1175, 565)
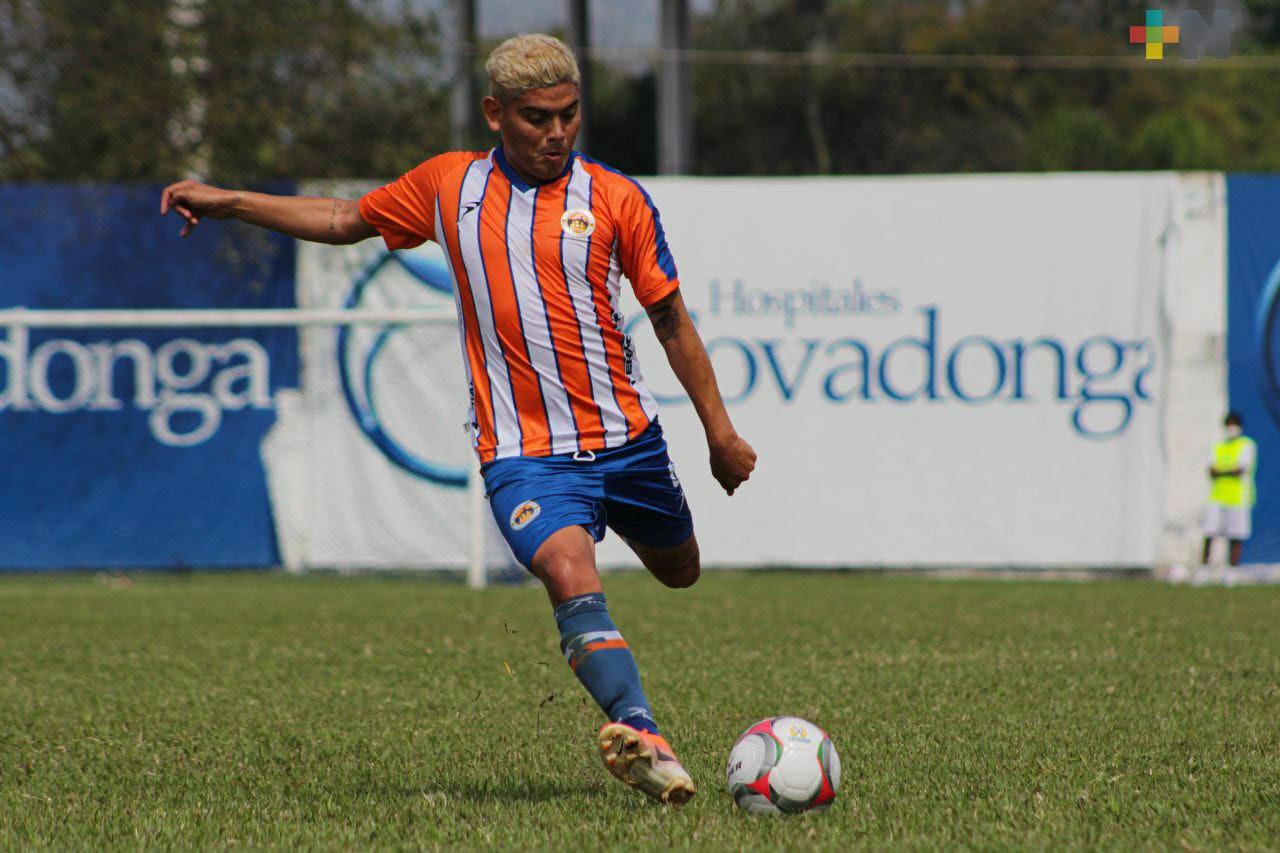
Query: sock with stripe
(599, 656)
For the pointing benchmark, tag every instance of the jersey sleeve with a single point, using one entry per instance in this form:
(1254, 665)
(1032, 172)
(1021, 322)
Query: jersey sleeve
(404, 211)
(642, 245)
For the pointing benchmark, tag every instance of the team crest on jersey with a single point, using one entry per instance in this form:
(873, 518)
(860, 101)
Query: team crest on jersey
(578, 222)
(523, 514)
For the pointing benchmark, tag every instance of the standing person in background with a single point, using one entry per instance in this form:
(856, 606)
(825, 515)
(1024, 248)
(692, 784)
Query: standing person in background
(1231, 493)
(537, 238)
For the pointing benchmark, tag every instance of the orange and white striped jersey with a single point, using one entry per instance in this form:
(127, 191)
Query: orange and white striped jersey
(536, 273)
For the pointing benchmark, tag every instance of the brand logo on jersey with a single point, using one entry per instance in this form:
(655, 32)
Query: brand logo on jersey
(523, 514)
(578, 222)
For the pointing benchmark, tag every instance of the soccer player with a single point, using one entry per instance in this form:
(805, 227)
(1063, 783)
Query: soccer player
(1229, 513)
(536, 236)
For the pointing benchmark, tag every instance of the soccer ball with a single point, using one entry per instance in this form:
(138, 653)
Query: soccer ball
(783, 765)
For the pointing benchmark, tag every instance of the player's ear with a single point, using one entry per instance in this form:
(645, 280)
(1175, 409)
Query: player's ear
(492, 112)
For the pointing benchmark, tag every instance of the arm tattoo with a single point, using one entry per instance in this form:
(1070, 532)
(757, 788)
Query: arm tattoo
(666, 321)
(333, 216)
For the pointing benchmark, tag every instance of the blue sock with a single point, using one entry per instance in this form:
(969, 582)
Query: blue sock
(599, 656)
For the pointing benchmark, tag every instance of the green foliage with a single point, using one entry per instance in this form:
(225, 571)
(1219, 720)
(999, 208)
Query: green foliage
(258, 711)
(891, 114)
(117, 90)
(1175, 140)
(291, 89)
(1075, 137)
(320, 89)
(621, 131)
(90, 91)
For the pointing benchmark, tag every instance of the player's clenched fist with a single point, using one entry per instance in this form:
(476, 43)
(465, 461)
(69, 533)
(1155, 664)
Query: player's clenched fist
(193, 201)
(732, 461)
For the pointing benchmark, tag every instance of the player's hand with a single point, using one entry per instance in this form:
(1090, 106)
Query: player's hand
(193, 201)
(732, 461)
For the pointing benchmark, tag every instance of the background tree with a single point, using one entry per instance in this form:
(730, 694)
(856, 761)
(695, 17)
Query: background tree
(241, 91)
(104, 89)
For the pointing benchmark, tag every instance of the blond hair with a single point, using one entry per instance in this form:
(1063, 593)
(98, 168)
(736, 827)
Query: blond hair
(527, 62)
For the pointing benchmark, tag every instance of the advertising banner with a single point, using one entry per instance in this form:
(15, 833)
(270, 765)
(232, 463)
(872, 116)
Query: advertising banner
(1253, 343)
(135, 447)
(934, 371)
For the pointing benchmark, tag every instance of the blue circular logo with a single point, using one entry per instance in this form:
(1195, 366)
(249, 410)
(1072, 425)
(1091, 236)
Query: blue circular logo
(431, 273)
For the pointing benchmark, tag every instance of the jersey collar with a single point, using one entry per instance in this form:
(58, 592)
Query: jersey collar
(520, 183)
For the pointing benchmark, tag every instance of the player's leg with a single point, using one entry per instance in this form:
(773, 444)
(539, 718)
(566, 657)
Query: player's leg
(592, 645)
(1238, 528)
(550, 513)
(676, 566)
(549, 510)
(1213, 526)
(566, 564)
(646, 506)
(630, 744)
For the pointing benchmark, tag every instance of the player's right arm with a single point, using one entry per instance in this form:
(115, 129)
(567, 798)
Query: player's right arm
(320, 220)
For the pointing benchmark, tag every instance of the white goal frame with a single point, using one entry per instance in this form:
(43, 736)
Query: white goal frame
(177, 318)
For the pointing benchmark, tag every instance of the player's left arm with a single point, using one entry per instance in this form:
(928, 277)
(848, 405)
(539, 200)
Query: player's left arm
(732, 459)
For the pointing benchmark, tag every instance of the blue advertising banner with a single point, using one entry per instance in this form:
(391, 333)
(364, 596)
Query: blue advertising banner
(1253, 342)
(133, 448)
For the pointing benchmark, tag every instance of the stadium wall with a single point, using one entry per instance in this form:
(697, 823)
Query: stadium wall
(936, 372)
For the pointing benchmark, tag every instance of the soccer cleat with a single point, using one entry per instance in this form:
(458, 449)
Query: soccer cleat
(645, 761)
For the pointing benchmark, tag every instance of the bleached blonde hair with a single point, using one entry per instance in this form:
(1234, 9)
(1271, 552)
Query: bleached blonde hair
(529, 61)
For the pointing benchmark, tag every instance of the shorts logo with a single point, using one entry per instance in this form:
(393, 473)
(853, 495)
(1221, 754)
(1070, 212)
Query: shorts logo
(523, 514)
(578, 222)
(671, 469)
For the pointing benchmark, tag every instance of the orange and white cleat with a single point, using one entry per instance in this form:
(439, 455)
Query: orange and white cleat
(645, 761)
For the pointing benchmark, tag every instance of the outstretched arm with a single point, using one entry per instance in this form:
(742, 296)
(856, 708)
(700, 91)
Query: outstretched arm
(321, 220)
(732, 459)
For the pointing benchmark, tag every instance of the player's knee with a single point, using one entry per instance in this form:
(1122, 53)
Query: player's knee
(683, 569)
(684, 578)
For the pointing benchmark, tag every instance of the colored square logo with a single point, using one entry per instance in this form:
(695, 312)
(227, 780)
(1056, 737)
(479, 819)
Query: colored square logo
(1154, 35)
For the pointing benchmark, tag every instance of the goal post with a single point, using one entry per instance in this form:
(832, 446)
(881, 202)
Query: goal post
(380, 325)
(160, 318)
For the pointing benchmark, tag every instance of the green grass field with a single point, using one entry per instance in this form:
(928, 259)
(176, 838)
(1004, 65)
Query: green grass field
(257, 710)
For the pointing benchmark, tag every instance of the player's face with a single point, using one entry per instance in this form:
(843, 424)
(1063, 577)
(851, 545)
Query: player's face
(538, 129)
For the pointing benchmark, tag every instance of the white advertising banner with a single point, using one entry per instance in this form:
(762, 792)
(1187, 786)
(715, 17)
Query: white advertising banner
(934, 372)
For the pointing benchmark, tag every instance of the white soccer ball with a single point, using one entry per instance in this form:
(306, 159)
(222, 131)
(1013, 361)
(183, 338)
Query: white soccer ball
(783, 765)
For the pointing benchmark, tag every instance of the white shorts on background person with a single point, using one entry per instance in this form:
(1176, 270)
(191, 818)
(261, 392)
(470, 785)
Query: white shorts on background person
(1231, 522)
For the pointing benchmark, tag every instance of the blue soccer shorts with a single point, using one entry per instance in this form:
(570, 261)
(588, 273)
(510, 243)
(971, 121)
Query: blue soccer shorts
(632, 489)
